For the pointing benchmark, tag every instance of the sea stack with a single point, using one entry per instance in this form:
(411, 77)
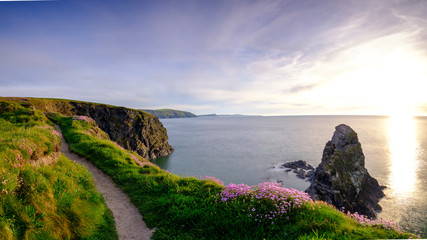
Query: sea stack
(342, 180)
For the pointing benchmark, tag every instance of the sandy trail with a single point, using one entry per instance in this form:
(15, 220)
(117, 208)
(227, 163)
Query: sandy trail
(129, 223)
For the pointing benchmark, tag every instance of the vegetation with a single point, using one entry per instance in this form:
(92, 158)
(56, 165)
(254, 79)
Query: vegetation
(188, 208)
(59, 201)
(169, 113)
(132, 129)
(39, 200)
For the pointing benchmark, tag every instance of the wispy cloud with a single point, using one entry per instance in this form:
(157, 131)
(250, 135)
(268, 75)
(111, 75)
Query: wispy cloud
(274, 57)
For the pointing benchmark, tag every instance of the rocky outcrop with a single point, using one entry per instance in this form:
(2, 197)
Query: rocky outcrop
(301, 168)
(298, 164)
(132, 129)
(342, 180)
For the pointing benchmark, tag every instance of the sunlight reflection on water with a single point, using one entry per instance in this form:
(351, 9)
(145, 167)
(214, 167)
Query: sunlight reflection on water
(403, 148)
(244, 149)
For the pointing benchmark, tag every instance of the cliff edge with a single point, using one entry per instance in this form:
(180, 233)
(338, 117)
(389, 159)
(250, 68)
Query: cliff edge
(132, 129)
(342, 180)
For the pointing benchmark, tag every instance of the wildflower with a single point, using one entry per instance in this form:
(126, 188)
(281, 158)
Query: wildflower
(214, 179)
(56, 133)
(278, 200)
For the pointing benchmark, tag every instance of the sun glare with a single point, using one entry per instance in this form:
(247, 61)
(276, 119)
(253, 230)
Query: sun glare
(385, 78)
(403, 154)
(405, 76)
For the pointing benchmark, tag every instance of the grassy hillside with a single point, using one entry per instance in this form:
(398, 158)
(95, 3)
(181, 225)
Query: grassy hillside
(169, 113)
(188, 208)
(44, 195)
(132, 129)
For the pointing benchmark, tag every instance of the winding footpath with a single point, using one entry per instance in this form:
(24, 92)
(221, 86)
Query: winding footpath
(129, 223)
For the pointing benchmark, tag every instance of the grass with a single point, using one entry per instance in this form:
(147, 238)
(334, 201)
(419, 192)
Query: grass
(189, 208)
(44, 201)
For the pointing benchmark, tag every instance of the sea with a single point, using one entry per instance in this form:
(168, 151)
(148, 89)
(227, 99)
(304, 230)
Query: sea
(251, 150)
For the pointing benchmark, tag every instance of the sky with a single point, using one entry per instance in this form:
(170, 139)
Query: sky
(290, 57)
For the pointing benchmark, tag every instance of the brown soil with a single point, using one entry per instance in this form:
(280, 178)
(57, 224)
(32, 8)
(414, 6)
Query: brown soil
(129, 223)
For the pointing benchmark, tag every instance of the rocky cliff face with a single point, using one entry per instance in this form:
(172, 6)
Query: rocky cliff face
(132, 129)
(342, 180)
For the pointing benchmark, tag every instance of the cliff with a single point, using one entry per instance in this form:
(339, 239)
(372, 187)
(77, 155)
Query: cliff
(132, 129)
(44, 202)
(169, 113)
(342, 180)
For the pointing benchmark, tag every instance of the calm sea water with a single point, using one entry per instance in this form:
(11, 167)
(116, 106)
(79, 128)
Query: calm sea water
(250, 149)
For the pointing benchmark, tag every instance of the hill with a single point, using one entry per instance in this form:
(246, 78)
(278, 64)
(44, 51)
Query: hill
(43, 194)
(130, 128)
(169, 113)
(177, 207)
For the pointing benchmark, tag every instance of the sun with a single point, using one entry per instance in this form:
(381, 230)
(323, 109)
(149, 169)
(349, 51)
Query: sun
(381, 78)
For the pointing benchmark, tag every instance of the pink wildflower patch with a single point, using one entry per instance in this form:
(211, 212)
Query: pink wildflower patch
(56, 133)
(381, 223)
(119, 146)
(269, 201)
(85, 118)
(136, 159)
(214, 179)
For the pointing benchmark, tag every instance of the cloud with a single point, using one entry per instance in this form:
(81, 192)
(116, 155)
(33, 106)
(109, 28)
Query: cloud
(276, 57)
(303, 87)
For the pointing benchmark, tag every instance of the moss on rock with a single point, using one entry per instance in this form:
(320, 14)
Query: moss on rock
(342, 179)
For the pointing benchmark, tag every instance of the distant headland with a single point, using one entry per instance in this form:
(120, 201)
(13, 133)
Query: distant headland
(169, 113)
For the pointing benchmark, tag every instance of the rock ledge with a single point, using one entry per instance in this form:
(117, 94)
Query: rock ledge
(301, 168)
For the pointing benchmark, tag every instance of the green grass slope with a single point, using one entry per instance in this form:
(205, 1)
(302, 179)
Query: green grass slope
(132, 129)
(189, 208)
(44, 201)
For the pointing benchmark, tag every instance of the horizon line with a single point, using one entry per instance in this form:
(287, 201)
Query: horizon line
(229, 114)
(305, 115)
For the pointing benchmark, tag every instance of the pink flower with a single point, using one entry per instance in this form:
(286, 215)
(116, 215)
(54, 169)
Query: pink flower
(214, 179)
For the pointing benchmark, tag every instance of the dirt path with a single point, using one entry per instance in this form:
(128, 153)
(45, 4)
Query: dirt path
(129, 223)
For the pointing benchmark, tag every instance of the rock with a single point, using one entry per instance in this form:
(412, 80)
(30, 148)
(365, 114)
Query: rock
(300, 173)
(342, 180)
(298, 164)
(300, 167)
(132, 129)
(310, 175)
